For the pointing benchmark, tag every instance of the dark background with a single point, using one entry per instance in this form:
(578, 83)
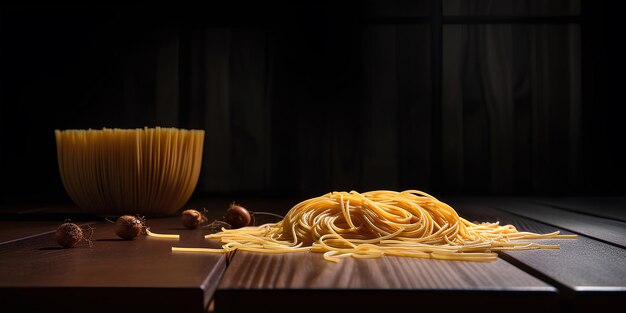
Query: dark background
(451, 97)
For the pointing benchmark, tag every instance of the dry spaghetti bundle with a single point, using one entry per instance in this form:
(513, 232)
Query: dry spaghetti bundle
(372, 224)
(150, 171)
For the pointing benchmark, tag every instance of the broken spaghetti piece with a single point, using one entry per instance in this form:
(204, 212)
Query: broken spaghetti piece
(164, 236)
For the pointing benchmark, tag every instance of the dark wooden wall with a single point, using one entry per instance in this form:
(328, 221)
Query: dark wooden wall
(474, 97)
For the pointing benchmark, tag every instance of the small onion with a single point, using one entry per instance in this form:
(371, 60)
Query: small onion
(191, 218)
(128, 227)
(237, 216)
(68, 235)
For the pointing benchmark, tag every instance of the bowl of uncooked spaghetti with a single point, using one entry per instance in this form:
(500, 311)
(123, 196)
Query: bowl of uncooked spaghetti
(147, 171)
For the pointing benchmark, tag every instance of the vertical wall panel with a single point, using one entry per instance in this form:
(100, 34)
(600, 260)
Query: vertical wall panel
(452, 108)
(210, 105)
(380, 105)
(511, 95)
(167, 78)
(415, 96)
(249, 110)
(511, 7)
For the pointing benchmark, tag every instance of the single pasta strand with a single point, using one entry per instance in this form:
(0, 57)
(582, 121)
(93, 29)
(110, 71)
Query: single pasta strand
(198, 250)
(164, 236)
(372, 224)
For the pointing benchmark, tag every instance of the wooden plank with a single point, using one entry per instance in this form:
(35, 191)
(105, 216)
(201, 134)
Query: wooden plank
(603, 229)
(380, 108)
(209, 103)
(287, 282)
(20, 222)
(452, 141)
(24, 221)
(608, 207)
(114, 275)
(415, 101)
(39, 208)
(250, 122)
(11, 231)
(589, 273)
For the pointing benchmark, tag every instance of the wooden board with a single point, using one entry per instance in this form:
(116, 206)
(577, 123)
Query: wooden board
(603, 229)
(291, 282)
(608, 207)
(589, 274)
(114, 275)
(584, 275)
(20, 222)
(11, 231)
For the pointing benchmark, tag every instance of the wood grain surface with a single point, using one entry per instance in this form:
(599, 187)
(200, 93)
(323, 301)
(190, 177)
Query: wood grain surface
(20, 222)
(608, 207)
(286, 282)
(589, 274)
(11, 231)
(603, 229)
(308, 270)
(143, 273)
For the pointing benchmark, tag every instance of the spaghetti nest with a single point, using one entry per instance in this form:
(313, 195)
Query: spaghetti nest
(372, 224)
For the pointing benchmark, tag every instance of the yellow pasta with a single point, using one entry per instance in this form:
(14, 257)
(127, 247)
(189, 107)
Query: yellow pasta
(149, 171)
(201, 250)
(163, 236)
(373, 224)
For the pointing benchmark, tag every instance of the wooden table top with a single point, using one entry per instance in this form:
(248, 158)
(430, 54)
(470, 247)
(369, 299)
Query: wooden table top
(144, 275)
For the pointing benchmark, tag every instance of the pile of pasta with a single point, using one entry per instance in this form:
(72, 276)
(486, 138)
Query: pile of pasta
(373, 224)
(148, 171)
